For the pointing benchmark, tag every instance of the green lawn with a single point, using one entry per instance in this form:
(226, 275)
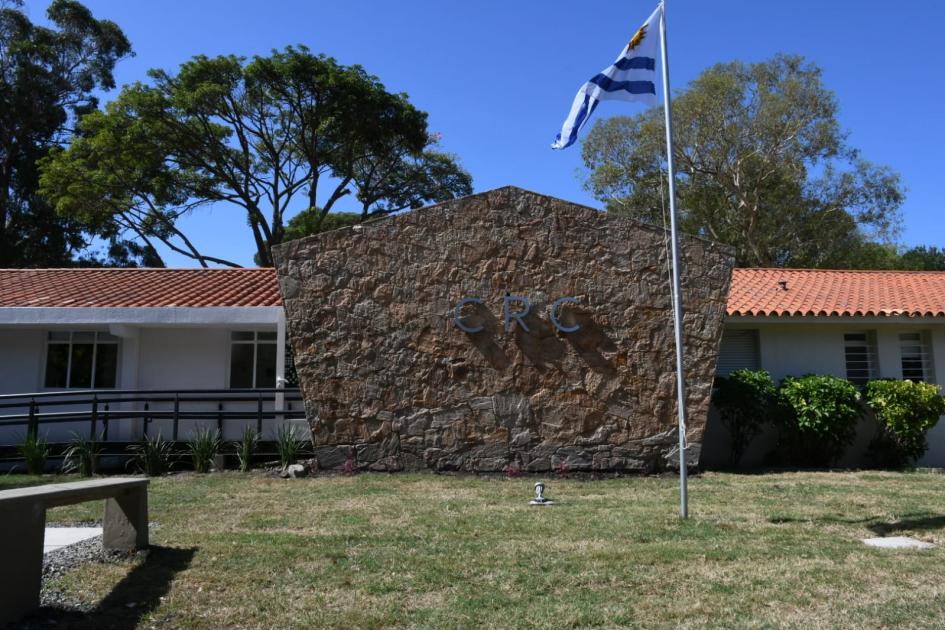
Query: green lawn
(777, 550)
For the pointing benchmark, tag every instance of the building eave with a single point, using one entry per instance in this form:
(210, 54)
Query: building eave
(141, 316)
(834, 319)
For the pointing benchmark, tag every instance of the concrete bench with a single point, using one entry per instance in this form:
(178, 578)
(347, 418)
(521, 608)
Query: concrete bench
(23, 524)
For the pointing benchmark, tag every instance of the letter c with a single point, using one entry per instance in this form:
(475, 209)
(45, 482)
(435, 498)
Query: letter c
(458, 315)
(554, 315)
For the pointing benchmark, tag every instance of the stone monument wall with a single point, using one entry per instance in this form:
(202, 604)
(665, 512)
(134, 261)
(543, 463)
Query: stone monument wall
(396, 376)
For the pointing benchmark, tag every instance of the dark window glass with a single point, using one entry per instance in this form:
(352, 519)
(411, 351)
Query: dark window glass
(241, 365)
(72, 357)
(106, 365)
(57, 364)
(242, 335)
(266, 365)
(914, 356)
(80, 374)
(267, 336)
(859, 353)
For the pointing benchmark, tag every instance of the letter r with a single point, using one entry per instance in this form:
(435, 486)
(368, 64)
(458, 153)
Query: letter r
(520, 315)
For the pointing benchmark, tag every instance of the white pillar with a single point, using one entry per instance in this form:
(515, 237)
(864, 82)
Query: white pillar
(887, 349)
(127, 376)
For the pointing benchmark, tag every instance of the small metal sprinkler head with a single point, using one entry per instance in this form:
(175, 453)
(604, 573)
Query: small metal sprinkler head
(540, 498)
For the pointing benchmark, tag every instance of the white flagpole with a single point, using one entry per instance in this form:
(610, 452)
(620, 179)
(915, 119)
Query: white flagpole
(677, 306)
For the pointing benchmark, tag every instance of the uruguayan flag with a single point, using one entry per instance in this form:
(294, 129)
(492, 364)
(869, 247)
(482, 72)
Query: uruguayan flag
(632, 77)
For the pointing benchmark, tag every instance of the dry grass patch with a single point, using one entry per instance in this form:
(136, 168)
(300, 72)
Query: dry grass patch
(779, 550)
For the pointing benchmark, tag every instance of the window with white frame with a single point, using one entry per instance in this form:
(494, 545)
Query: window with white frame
(860, 355)
(252, 359)
(81, 360)
(916, 355)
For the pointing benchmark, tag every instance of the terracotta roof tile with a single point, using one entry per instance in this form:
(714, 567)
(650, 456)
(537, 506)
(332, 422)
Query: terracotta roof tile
(837, 292)
(754, 292)
(122, 288)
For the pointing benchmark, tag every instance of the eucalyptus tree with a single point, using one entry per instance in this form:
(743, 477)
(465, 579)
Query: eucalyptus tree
(763, 165)
(49, 76)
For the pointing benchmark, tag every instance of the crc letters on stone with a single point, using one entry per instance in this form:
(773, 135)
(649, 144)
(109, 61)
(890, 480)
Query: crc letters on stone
(518, 316)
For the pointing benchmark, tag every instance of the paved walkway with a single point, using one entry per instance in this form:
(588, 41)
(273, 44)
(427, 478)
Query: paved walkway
(59, 537)
(898, 542)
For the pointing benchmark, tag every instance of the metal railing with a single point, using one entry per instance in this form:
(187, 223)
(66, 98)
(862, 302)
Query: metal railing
(103, 408)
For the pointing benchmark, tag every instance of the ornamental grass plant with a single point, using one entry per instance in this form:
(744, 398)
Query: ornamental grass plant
(246, 447)
(203, 448)
(288, 445)
(35, 452)
(152, 455)
(82, 455)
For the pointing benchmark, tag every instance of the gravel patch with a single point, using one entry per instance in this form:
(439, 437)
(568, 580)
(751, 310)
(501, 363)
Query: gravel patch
(55, 607)
(57, 563)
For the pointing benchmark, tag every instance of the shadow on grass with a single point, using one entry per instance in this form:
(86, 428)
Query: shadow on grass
(762, 470)
(911, 523)
(923, 521)
(133, 598)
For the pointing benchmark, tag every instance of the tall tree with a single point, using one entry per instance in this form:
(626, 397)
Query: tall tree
(923, 258)
(263, 137)
(48, 77)
(394, 178)
(762, 165)
(312, 221)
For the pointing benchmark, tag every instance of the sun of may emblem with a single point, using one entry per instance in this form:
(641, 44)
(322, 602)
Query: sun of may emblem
(637, 38)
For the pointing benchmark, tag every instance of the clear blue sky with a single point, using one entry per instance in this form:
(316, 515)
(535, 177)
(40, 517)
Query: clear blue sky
(497, 78)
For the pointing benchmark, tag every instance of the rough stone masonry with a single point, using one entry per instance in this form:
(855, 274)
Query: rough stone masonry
(392, 381)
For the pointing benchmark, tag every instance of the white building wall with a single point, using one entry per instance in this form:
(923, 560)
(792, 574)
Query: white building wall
(795, 348)
(935, 456)
(22, 365)
(21, 360)
(193, 358)
(183, 358)
(150, 358)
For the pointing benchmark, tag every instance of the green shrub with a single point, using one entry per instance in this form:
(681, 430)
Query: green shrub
(288, 445)
(35, 451)
(821, 423)
(203, 447)
(246, 447)
(905, 411)
(746, 399)
(82, 455)
(152, 455)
